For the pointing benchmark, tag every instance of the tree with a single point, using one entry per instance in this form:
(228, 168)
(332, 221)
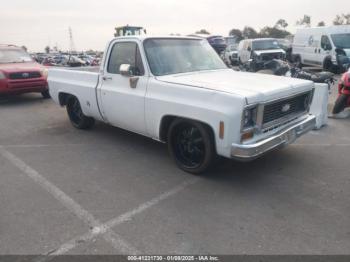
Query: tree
(203, 31)
(343, 19)
(273, 32)
(47, 50)
(281, 23)
(306, 21)
(24, 48)
(249, 33)
(322, 23)
(237, 34)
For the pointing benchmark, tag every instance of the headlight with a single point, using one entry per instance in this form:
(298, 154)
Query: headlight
(249, 117)
(2, 75)
(44, 72)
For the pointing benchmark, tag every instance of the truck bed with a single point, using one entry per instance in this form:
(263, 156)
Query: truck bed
(81, 82)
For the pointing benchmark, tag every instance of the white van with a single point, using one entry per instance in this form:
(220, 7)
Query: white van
(326, 47)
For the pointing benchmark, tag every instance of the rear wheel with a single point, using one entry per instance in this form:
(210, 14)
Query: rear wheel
(76, 115)
(191, 145)
(297, 62)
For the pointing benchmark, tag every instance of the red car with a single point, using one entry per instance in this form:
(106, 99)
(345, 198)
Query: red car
(19, 73)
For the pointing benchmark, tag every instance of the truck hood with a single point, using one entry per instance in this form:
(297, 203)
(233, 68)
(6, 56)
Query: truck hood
(270, 51)
(253, 87)
(20, 67)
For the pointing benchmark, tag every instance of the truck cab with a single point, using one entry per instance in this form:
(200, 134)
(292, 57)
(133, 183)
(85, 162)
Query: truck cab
(129, 30)
(178, 91)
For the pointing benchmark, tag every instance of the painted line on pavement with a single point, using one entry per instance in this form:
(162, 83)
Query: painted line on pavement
(107, 227)
(115, 240)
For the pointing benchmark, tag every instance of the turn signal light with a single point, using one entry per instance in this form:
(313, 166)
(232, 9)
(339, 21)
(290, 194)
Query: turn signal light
(222, 130)
(247, 136)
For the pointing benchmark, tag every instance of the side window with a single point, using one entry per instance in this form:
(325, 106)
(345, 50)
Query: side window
(325, 43)
(125, 53)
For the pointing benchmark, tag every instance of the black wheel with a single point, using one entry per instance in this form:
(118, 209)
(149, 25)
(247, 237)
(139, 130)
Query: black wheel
(298, 63)
(328, 66)
(76, 116)
(191, 145)
(46, 94)
(340, 104)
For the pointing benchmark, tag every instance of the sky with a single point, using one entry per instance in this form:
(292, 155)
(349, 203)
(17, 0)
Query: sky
(38, 23)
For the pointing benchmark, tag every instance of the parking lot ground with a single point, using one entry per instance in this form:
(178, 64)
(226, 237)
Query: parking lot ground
(108, 191)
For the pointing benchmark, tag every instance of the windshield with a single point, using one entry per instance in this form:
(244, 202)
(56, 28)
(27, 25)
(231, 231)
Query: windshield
(233, 47)
(14, 56)
(174, 56)
(265, 44)
(341, 40)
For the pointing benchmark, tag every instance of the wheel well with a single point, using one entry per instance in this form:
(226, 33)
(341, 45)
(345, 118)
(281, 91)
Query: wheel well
(167, 120)
(63, 98)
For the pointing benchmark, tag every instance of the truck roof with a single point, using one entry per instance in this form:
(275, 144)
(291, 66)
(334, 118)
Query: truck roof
(144, 37)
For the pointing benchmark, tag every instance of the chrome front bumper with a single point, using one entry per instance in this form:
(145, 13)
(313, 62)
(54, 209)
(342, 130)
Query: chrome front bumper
(246, 152)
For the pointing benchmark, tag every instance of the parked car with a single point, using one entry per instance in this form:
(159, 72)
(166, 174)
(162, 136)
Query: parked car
(19, 73)
(217, 42)
(230, 55)
(255, 52)
(324, 47)
(178, 91)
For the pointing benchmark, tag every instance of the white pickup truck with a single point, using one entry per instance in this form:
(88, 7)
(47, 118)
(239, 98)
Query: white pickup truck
(178, 91)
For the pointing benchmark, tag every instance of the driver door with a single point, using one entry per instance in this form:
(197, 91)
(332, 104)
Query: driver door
(123, 96)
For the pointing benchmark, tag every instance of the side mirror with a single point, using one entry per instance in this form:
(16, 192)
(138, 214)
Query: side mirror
(249, 48)
(125, 70)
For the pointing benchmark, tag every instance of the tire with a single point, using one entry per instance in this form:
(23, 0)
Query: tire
(340, 104)
(46, 94)
(328, 66)
(298, 63)
(191, 145)
(76, 116)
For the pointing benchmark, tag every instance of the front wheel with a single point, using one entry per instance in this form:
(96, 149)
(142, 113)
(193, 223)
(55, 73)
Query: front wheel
(76, 115)
(340, 104)
(191, 145)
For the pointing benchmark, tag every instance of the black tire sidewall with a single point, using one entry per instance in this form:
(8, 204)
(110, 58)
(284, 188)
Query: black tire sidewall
(340, 104)
(208, 143)
(85, 122)
(298, 63)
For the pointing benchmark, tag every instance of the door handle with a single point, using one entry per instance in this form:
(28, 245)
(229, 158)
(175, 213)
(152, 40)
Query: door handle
(105, 78)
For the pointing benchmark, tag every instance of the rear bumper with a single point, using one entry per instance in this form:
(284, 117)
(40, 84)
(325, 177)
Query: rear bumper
(287, 136)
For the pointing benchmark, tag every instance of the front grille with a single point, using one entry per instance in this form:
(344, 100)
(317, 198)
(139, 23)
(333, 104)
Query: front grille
(269, 57)
(286, 108)
(25, 75)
